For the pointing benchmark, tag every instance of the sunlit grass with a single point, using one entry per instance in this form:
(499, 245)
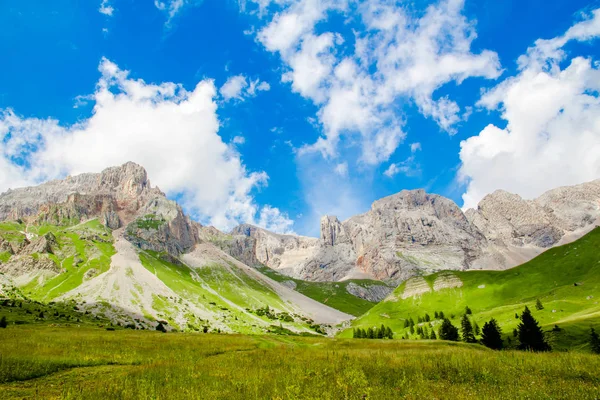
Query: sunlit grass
(97, 364)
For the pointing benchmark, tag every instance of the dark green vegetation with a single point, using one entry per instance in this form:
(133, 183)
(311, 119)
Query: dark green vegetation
(383, 332)
(333, 294)
(565, 280)
(21, 311)
(86, 363)
(531, 336)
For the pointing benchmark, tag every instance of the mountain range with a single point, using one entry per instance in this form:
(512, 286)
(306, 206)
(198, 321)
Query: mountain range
(117, 247)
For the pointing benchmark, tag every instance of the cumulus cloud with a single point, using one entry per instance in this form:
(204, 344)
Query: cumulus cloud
(106, 8)
(237, 87)
(169, 130)
(407, 167)
(357, 80)
(552, 114)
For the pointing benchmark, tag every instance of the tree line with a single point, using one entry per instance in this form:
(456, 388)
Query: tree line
(530, 335)
(384, 332)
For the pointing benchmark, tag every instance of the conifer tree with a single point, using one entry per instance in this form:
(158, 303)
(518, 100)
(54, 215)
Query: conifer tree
(435, 315)
(594, 342)
(412, 322)
(412, 330)
(406, 323)
(441, 315)
(476, 329)
(4, 324)
(467, 330)
(531, 336)
(468, 310)
(427, 318)
(448, 331)
(492, 335)
(161, 328)
(389, 333)
(433, 336)
(370, 333)
(538, 305)
(381, 332)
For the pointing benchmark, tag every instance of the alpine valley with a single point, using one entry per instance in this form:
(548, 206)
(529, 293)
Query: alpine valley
(113, 247)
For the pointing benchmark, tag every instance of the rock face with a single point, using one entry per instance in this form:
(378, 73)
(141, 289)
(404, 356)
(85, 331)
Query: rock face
(412, 232)
(118, 197)
(374, 293)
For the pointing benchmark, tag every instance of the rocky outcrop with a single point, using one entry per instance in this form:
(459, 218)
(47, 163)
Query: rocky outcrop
(117, 197)
(370, 292)
(163, 228)
(22, 265)
(42, 244)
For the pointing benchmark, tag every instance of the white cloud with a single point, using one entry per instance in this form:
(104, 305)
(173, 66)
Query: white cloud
(239, 140)
(169, 130)
(233, 88)
(273, 220)
(173, 7)
(342, 169)
(414, 147)
(406, 167)
(552, 136)
(356, 81)
(237, 87)
(258, 86)
(106, 8)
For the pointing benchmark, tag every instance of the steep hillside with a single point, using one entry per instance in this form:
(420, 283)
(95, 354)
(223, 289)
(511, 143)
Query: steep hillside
(355, 296)
(565, 279)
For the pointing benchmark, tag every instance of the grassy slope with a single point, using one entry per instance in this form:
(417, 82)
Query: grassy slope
(223, 290)
(86, 363)
(333, 294)
(500, 294)
(93, 254)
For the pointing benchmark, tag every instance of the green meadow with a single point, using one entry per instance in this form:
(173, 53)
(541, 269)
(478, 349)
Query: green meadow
(45, 362)
(565, 279)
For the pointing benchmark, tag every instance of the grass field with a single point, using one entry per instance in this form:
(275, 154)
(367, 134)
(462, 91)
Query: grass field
(566, 279)
(87, 363)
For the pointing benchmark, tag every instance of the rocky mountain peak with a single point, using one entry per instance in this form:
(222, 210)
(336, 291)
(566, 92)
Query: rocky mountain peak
(332, 231)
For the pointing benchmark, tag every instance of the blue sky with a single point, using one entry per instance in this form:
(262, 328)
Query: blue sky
(89, 84)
